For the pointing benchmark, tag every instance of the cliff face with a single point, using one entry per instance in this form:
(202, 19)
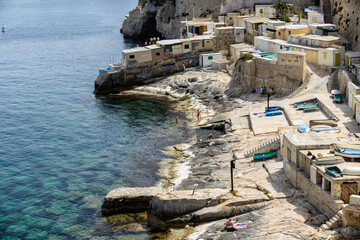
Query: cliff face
(140, 23)
(151, 20)
(346, 15)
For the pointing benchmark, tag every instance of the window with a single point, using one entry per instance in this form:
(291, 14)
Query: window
(279, 33)
(289, 32)
(157, 54)
(325, 55)
(283, 58)
(288, 154)
(292, 49)
(281, 47)
(314, 19)
(296, 59)
(132, 56)
(289, 58)
(210, 57)
(186, 46)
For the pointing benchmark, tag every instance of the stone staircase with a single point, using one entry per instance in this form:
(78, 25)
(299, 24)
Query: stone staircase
(271, 145)
(333, 222)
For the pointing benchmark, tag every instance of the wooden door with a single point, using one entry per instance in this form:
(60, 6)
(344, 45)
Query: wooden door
(348, 189)
(337, 59)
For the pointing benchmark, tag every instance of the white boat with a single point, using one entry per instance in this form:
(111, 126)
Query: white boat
(323, 128)
(354, 171)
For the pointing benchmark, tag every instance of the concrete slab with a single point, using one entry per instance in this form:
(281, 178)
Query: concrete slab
(261, 124)
(298, 117)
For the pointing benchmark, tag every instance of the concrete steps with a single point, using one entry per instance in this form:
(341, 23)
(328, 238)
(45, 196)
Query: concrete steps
(271, 145)
(333, 222)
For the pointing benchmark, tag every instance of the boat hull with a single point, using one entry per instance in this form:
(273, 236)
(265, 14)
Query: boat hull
(303, 106)
(274, 113)
(353, 171)
(261, 156)
(334, 171)
(329, 160)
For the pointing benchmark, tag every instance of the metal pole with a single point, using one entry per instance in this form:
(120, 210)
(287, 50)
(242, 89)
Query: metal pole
(268, 100)
(232, 166)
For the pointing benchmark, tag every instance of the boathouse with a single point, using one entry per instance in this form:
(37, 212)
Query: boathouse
(157, 52)
(133, 56)
(171, 47)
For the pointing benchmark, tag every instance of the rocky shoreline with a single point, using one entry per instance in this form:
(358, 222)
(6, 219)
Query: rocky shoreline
(205, 165)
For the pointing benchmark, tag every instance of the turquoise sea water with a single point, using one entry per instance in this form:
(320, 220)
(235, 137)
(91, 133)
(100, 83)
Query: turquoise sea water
(61, 149)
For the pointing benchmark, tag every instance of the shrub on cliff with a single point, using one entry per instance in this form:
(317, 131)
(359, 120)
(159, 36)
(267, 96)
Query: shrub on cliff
(246, 56)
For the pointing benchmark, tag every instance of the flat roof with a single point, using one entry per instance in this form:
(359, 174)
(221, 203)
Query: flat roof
(341, 166)
(206, 54)
(137, 49)
(169, 42)
(257, 20)
(293, 26)
(224, 28)
(154, 46)
(322, 38)
(292, 53)
(352, 54)
(285, 43)
(311, 139)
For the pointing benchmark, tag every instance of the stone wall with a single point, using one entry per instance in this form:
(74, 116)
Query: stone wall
(321, 200)
(249, 76)
(236, 5)
(346, 15)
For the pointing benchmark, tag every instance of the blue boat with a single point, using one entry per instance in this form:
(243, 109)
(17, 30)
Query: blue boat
(347, 152)
(331, 160)
(265, 155)
(304, 128)
(271, 109)
(334, 171)
(274, 113)
(306, 105)
(338, 98)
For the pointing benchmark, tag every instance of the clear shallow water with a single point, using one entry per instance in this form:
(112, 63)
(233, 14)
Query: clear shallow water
(61, 149)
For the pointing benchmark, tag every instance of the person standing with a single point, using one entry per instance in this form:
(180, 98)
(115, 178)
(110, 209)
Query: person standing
(184, 67)
(261, 91)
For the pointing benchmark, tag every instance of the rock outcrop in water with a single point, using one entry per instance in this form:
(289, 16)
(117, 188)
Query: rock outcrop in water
(163, 17)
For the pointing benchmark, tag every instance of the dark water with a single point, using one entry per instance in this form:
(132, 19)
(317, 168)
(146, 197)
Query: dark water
(61, 149)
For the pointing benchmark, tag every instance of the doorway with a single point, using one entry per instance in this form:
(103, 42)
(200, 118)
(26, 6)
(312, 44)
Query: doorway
(348, 189)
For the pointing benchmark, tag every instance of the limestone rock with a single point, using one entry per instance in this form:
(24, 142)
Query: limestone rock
(140, 23)
(122, 200)
(350, 232)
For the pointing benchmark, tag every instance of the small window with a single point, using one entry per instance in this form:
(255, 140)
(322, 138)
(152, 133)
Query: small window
(287, 49)
(292, 49)
(288, 154)
(186, 46)
(325, 55)
(283, 58)
(210, 57)
(281, 47)
(289, 58)
(157, 54)
(296, 59)
(132, 56)
(279, 33)
(289, 32)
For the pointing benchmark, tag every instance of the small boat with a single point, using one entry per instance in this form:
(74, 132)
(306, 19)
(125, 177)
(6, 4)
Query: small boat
(329, 160)
(338, 98)
(258, 113)
(326, 122)
(260, 156)
(311, 109)
(303, 128)
(323, 128)
(348, 153)
(306, 105)
(354, 171)
(274, 113)
(334, 171)
(335, 92)
(274, 108)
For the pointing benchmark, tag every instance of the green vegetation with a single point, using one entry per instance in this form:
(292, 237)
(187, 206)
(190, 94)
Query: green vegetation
(246, 56)
(281, 8)
(300, 10)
